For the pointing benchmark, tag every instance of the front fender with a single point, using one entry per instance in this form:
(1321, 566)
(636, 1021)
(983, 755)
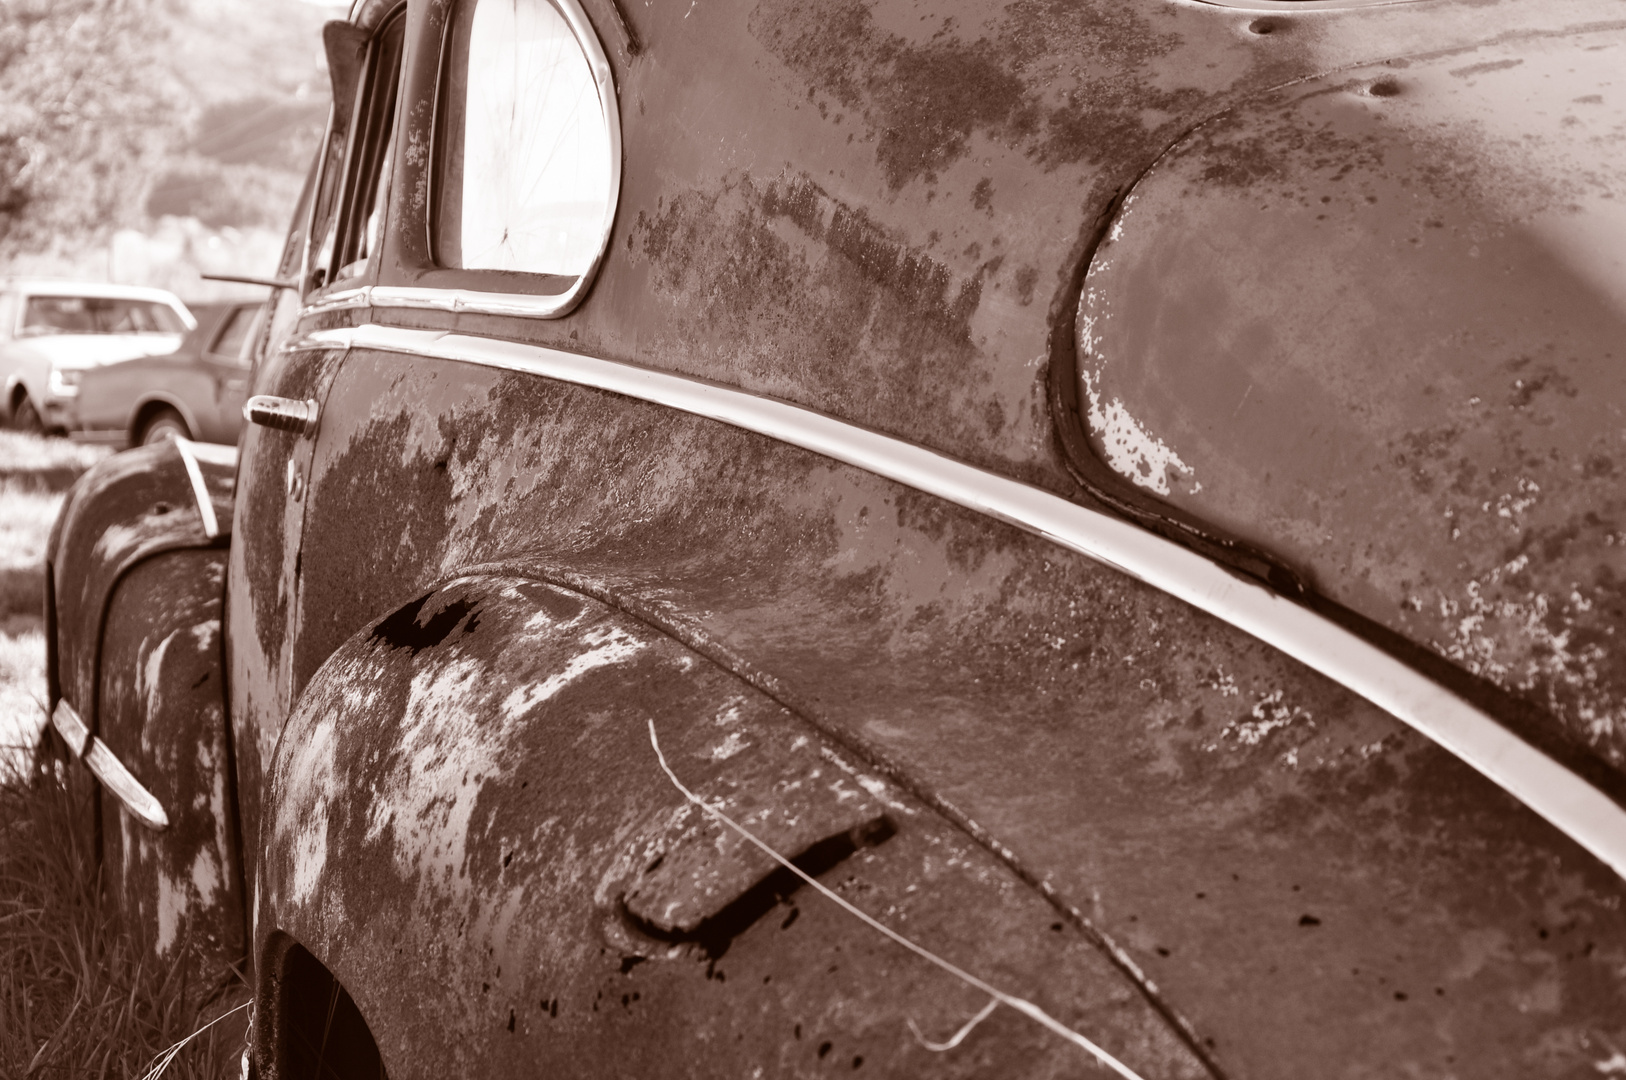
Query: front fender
(467, 824)
(124, 510)
(134, 598)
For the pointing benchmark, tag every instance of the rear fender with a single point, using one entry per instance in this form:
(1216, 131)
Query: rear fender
(135, 573)
(468, 825)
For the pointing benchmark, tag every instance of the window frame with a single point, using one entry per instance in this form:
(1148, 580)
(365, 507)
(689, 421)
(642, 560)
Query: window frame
(501, 292)
(334, 196)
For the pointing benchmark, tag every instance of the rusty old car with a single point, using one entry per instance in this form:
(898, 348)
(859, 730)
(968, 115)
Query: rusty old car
(796, 537)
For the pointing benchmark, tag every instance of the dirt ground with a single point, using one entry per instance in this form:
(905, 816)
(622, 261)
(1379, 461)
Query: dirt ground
(34, 474)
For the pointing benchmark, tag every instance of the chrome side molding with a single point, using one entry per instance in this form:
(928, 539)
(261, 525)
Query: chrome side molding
(1579, 810)
(107, 768)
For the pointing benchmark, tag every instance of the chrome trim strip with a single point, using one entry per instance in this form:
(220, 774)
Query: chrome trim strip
(1298, 7)
(1575, 807)
(200, 492)
(457, 300)
(107, 768)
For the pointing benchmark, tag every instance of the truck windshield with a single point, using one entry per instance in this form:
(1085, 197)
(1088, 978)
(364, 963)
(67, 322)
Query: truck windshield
(98, 315)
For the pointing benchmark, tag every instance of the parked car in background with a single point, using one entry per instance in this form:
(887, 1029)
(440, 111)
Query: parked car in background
(792, 538)
(196, 392)
(52, 332)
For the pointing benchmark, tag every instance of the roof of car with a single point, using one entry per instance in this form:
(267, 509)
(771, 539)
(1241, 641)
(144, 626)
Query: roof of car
(44, 287)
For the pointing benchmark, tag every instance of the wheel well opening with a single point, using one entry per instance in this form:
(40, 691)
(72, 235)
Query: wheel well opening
(319, 1033)
(146, 414)
(19, 394)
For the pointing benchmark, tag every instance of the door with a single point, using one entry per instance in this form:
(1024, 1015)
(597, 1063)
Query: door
(290, 381)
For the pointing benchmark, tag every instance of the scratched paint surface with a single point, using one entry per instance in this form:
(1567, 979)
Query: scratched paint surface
(127, 507)
(163, 714)
(261, 575)
(1376, 325)
(877, 211)
(1236, 823)
(513, 801)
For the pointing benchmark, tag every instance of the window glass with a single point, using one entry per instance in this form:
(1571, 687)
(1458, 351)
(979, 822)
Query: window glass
(352, 195)
(235, 332)
(526, 154)
(98, 315)
(369, 156)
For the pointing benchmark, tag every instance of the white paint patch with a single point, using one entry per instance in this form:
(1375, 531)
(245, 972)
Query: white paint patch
(1129, 448)
(205, 878)
(173, 901)
(1269, 714)
(729, 747)
(610, 646)
(115, 539)
(307, 775)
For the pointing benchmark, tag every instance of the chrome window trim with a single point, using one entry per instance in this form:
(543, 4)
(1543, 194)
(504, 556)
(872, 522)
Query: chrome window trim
(527, 305)
(1575, 807)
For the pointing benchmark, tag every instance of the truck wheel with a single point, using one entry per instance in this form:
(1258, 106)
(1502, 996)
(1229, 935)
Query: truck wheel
(163, 424)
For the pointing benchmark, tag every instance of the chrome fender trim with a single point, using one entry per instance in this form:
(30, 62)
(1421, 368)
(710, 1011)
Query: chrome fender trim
(216, 455)
(107, 768)
(1575, 807)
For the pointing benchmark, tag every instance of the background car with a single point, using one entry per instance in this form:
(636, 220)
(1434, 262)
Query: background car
(196, 392)
(723, 579)
(51, 332)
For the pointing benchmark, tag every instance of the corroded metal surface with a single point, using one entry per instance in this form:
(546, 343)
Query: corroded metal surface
(273, 468)
(1237, 824)
(1374, 323)
(163, 713)
(882, 213)
(125, 509)
(500, 727)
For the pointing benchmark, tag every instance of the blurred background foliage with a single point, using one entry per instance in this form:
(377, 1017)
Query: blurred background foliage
(145, 140)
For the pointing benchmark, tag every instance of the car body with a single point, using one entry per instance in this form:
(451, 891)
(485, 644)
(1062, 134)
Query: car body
(197, 391)
(720, 581)
(52, 331)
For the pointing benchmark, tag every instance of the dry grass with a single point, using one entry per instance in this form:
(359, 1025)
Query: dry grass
(74, 999)
(22, 691)
(25, 523)
(51, 464)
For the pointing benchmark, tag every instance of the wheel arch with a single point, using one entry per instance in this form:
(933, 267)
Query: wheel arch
(468, 799)
(153, 403)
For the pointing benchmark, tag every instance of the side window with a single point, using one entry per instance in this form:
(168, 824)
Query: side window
(229, 342)
(345, 226)
(528, 159)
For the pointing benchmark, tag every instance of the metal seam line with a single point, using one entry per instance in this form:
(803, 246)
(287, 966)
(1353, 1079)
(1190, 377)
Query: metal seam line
(200, 492)
(107, 768)
(1574, 806)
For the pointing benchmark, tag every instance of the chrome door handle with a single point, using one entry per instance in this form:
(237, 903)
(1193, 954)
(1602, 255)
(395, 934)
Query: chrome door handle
(284, 414)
